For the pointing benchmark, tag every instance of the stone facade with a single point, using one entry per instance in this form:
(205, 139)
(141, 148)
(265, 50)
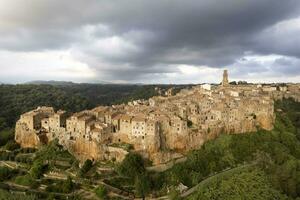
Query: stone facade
(158, 127)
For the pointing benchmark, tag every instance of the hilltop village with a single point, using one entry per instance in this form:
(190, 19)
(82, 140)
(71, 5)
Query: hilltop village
(161, 128)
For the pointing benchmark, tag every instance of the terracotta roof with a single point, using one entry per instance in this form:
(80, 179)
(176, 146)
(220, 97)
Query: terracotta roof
(125, 117)
(96, 130)
(116, 117)
(139, 119)
(85, 117)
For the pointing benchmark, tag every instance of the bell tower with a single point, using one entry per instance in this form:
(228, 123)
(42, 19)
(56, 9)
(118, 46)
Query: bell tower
(225, 78)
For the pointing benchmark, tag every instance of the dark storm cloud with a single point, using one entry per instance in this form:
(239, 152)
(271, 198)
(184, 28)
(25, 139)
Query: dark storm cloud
(36, 40)
(214, 32)
(287, 66)
(153, 36)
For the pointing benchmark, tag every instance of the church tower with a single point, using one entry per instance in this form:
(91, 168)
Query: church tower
(225, 78)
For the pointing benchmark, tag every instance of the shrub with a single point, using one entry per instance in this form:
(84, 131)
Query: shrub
(65, 186)
(37, 169)
(5, 155)
(23, 158)
(189, 123)
(5, 136)
(27, 150)
(9, 196)
(123, 145)
(5, 173)
(101, 192)
(12, 145)
(68, 185)
(26, 180)
(174, 194)
(120, 182)
(88, 164)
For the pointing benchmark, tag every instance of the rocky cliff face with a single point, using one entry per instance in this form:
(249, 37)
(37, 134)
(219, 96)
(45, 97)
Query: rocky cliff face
(83, 150)
(266, 121)
(156, 148)
(25, 137)
(92, 150)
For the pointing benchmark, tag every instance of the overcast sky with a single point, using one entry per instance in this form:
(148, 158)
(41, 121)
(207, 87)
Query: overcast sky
(149, 41)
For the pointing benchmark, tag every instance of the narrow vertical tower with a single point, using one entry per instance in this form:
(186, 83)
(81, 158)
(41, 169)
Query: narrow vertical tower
(225, 78)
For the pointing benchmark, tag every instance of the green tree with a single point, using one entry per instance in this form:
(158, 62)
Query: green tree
(174, 194)
(48, 153)
(131, 166)
(67, 185)
(142, 185)
(5, 173)
(87, 165)
(37, 169)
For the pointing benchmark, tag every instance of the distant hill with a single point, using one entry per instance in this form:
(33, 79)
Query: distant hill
(38, 82)
(60, 83)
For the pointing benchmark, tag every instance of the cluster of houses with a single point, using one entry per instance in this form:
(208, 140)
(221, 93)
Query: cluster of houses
(159, 128)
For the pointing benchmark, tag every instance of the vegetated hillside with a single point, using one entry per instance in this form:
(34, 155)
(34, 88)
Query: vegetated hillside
(261, 165)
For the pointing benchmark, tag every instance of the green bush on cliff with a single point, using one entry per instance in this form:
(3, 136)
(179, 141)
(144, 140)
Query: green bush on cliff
(101, 192)
(87, 165)
(132, 166)
(26, 180)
